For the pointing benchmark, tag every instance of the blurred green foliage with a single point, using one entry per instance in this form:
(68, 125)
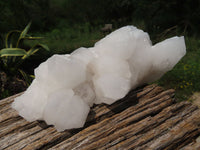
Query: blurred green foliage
(47, 15)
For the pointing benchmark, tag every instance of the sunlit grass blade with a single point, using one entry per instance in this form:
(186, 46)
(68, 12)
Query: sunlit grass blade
(34, 49)
(8, 38)
(43, 46)
(23, 34)
(28, 78)
(12, 52)
(30, 52)
(33, 38)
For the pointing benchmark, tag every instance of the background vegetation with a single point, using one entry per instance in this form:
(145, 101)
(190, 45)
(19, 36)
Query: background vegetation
(69, 24)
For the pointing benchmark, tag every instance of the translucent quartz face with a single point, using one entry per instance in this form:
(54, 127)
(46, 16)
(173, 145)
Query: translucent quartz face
(66, 86)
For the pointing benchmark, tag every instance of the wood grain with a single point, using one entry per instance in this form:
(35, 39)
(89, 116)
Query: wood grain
(147, 118)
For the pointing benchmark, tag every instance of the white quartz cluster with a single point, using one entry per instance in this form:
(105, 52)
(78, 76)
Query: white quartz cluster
(66, 86)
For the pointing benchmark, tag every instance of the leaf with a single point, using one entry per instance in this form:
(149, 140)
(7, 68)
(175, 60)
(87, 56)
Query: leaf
(30, 52)
(43, 46)
(12, 52)
(26, 77)
(32, 76)
(34, 49)
(8, 38)
(32, 38)
(23, 34)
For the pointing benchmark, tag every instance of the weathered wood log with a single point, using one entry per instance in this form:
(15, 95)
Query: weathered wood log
(147, 118)
(193, 146)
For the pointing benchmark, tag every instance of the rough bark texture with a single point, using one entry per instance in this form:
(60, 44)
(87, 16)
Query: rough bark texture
(147, 118)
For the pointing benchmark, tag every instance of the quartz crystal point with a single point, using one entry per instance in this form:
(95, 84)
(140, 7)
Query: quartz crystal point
(66, 86)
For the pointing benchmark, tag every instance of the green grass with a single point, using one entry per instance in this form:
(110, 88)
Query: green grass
(65, 40)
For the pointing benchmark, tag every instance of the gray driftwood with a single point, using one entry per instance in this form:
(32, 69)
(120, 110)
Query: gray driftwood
(147, 118)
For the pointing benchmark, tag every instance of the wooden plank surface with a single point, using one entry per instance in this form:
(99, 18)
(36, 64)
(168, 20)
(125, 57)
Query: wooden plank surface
(147, 118)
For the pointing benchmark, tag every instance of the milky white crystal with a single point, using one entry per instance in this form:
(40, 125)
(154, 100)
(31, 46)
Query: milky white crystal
(66, 86)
